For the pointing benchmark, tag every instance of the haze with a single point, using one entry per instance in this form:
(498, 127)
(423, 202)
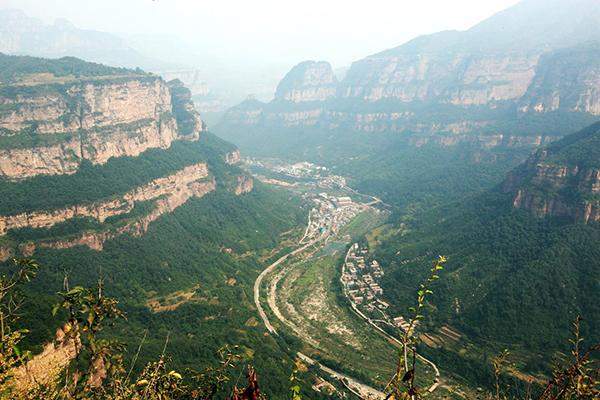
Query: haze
(270, 32)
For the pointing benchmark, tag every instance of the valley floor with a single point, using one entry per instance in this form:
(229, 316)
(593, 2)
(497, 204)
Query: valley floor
(301, 295)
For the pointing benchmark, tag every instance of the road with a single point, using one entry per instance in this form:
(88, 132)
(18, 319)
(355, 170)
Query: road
(266, 271)
(361, 390)
(437, 382)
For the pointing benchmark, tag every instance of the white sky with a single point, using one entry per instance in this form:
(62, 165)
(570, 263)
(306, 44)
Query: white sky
(274, 31)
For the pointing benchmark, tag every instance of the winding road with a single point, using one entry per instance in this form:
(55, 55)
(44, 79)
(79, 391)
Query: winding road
(361, 390)
(437, 382)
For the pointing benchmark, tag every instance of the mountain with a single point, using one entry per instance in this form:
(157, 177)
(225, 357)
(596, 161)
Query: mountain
(523, 260)
(480, 84)
(562, 179)
(109, 173)
(440, 110)
(23, 35)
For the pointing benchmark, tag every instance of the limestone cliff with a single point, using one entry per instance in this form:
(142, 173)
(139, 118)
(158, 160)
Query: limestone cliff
(137, 226)
(561, 180)
(306, 82)
(50, 124)
(245, 184)
(166, 186)
(568, 80)
(166, 194)
(479, 82)
(460, 79)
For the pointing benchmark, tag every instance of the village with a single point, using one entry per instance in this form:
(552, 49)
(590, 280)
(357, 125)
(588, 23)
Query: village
(360, 279)
(311, 175)
(329, 215)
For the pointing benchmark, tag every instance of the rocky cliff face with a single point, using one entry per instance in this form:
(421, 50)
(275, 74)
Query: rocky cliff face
(136, 226)
(166, 194)
(49, 128)
(476, 82)
(566, 79)
(306, 82)
(561, 180)
(167, 186)
(245, 184)
(462, 97)
(56, 114)
(460, 79)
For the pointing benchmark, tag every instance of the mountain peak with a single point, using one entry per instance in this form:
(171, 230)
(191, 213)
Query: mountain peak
(307, 81)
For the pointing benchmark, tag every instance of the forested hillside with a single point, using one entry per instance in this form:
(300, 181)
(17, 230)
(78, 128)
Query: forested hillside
(109, 174)
(514, 278)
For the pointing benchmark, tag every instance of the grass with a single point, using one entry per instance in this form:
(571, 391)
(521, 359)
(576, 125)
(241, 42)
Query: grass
(363, 223)
(328, 328)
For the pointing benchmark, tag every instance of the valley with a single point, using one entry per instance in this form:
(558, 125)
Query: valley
(420, 221)
(304, 293)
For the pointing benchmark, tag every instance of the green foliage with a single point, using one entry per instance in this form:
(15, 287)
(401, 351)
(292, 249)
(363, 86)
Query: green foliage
(512, 279)
(11, 67)
(119, 175)
(182, 251)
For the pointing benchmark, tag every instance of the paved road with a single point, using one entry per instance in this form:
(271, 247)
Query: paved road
(361, 390)
(437, 382)
(260, 278)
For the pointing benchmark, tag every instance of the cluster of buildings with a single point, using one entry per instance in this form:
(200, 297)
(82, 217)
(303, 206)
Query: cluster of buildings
(360, 278)
(332, 182)
(330, 214)
(302, 169)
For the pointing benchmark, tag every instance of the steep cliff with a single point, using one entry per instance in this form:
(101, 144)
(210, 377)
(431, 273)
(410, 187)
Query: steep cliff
(97, 129)
(567, 79)
(307, 81)
(51, 122)
(561, 180)
(454, 87)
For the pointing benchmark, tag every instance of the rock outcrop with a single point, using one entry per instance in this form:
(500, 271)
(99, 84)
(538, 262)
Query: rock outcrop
(306, 82)
(173, 185)
(50, 126)
(44, 368)
(459, 79)
(566, 79)
(561, 180)
(245, 184)
(138, 226)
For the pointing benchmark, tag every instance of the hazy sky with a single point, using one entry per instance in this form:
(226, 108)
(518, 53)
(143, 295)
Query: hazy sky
(274, 31)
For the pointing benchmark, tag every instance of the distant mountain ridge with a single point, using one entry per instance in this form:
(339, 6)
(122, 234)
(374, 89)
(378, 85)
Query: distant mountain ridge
(506, 77)
(23, 35)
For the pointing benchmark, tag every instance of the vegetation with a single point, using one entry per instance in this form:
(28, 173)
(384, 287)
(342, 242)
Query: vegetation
(94, 368)
(119, 175)
(12, 67)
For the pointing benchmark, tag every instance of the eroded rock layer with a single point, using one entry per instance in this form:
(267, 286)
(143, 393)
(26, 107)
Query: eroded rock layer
(181, 182)
(562, 180)
(49, 125)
